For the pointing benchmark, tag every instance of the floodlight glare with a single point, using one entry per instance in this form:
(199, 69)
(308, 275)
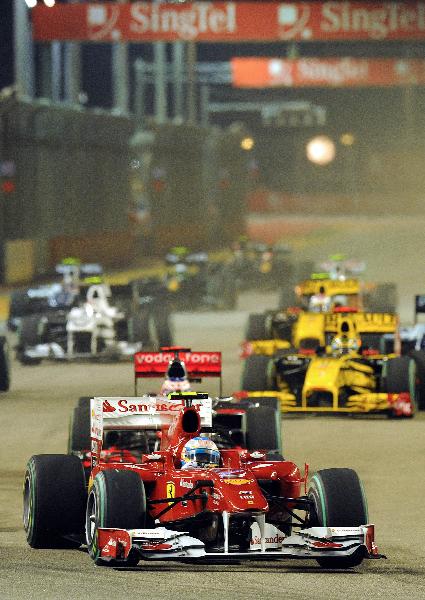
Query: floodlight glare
(247, 143)
(320, 150)
(31, 3)
(347, 139)
(49, 3)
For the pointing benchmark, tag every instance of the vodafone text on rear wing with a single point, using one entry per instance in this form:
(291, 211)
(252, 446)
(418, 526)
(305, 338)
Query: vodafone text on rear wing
(198, 364)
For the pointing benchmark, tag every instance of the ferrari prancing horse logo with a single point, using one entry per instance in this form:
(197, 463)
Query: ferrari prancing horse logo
(171, 490)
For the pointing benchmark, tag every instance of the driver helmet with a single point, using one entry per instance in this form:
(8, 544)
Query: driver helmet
(344, 345)
(346, 342)
(200, 452)
(176, 379)
(320, 302)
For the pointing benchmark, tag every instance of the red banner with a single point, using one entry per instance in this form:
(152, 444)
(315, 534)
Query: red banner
(230, 21)
(326, 72)
(198, 364)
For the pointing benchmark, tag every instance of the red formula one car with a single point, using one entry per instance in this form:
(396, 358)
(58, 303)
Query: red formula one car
(188, 501)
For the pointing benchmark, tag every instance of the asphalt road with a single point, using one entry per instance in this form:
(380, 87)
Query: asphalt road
(389, 456)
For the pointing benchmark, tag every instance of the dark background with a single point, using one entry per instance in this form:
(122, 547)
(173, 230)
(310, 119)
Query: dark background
(384, 121)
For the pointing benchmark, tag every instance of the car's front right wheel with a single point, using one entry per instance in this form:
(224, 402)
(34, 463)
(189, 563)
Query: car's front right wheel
(338, 500)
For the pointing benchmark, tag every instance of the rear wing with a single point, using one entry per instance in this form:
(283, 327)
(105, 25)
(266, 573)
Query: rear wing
(333, 287)
(198, 364)
(139, 413)
(364, 322)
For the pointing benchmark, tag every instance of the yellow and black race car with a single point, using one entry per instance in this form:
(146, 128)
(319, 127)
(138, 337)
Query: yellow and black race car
(351, 369)
(303, 324)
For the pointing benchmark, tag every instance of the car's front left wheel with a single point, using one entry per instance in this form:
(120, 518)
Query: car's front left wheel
(117, 499)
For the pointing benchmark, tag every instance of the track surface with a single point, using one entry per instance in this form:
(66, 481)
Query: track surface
(389, 456)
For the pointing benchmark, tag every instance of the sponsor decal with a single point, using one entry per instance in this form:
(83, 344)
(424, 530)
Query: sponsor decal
(155, 545)
(171, 490)
(257, 455)
(276, 539)
(187, 24)
(401, 404)
(153, 364)
(246, 495)
(186, 484)
(318, 544)
(327, 72)
(125, 406)
(107, 407)
(236, 481)
(154, 457)
(163, 358)
(109, 548)
(293, 21)
(229, 21)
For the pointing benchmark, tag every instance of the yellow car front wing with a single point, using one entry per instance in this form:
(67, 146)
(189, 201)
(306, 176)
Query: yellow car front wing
(357, 403)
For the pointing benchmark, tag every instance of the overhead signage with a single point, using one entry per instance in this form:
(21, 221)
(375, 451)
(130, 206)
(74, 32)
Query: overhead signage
(229, 21)
(326, 72)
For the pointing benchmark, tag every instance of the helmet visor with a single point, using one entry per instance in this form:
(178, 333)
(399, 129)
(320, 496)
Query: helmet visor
(204, 457)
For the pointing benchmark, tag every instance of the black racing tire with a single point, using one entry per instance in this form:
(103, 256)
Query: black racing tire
(29, 334)
(230, 291)
(29, 331)
(162, 325)
(222, 288)
(117, 499)
(255, 374)
(264, 428)
(18, 304)
(338, 501)
(270, 401)
(55, 497)
(4, 365)
(84, 400)
(419, 357)
(79, 429)
(139, 330)
(287, 296)
(257, 327)
(400, 376)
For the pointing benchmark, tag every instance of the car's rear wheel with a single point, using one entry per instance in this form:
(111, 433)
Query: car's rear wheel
(419, 357)
(257, 327)
(264, 427)
(162, 325)
(30, 334)
(139, 328)
(255, 375)
(84, 400)
(54, 501)
(338, 500)
(4, 365)
(79, 430)
(117, 499)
